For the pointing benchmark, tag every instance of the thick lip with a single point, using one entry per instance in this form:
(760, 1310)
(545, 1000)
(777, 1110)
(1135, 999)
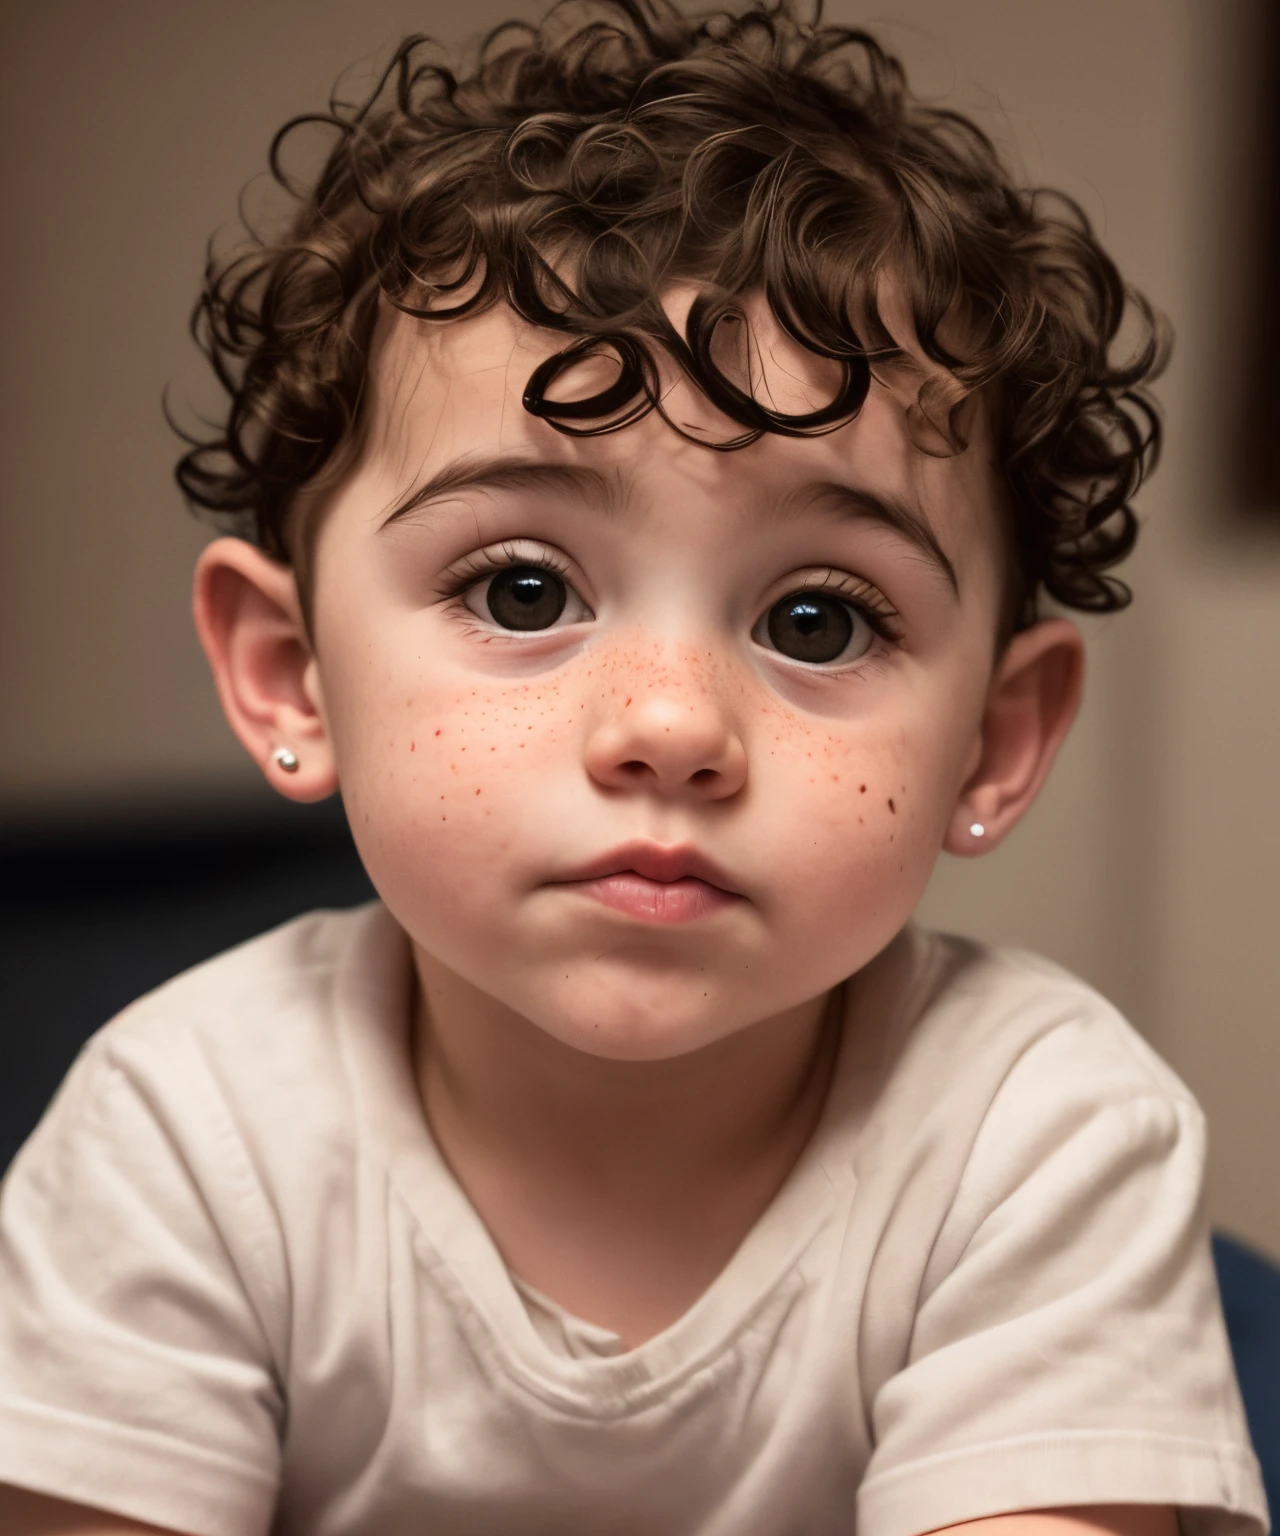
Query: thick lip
(654, 861)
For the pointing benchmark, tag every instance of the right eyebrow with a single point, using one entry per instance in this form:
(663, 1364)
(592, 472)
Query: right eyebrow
(509, 472)
(893, 511)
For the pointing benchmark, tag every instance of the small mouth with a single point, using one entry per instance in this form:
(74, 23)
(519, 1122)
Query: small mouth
(657, 901)
(656, 884)
(654, 861)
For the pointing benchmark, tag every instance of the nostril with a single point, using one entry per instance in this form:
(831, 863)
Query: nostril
(634, 767)
(702, 776)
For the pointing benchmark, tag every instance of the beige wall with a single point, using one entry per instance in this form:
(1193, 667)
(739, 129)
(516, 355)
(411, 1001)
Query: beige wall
(1150, 864)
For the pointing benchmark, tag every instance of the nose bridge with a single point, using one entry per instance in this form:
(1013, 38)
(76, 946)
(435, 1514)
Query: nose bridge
(668, 677)
(667, 716)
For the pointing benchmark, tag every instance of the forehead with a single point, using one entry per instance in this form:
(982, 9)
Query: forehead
(449, 394)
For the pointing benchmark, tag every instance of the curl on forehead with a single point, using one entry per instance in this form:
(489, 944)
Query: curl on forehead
(446, 378)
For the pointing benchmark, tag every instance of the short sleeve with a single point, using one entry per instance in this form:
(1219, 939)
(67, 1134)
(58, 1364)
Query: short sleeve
(1068, 1346)
(138, 1367)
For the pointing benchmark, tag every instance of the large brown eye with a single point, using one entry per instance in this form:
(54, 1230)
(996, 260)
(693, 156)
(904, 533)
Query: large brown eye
(526, 597)
(813, 627)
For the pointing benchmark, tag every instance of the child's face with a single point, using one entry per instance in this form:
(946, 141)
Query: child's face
(659, 696)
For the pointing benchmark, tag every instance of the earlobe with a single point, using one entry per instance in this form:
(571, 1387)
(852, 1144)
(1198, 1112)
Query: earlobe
(250, 624)
(1032, 700)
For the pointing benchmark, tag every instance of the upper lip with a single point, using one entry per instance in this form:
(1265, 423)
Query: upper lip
(654, 861)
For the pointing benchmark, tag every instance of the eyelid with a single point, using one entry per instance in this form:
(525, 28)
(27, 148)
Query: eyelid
(857, 591)
(465, 576)
(480, 563)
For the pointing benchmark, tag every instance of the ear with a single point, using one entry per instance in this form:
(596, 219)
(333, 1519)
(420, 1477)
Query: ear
(250, 624)
(1032, 700)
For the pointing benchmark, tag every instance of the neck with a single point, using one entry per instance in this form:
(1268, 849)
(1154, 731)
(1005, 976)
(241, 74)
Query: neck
(500, 1091)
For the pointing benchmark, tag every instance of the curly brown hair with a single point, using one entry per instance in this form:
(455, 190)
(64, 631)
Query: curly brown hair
(589, 162)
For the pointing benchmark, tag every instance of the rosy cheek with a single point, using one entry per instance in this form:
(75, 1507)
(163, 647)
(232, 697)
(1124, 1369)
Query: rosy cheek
(452, 756)
(869, 807)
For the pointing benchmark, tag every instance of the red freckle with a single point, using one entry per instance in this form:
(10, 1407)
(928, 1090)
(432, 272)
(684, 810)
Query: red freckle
(861, 790)
(437, 733)
(477, 791)
(627, 705)
(893, 807)
(413, 746)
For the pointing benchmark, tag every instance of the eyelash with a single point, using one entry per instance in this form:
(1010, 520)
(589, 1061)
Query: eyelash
(859, 594)
(862, 597)
(476, 567)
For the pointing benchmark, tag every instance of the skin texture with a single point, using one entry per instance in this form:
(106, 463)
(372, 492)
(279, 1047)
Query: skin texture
(621, 1097)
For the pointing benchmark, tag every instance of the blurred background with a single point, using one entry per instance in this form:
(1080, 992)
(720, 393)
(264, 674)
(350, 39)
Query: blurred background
(134, 836)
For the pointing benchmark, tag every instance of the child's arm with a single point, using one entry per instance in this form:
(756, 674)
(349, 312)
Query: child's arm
(27, 1514)
(1088, 1520)
(33, 1514)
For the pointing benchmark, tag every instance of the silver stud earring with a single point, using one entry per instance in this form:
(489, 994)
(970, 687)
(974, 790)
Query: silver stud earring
(977, 830)
(284, 759)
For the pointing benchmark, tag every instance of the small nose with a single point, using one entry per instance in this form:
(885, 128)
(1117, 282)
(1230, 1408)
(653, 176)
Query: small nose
(674, 740)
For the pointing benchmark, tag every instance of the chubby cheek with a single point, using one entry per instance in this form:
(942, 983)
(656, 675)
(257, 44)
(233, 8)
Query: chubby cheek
(427, 780)
(861, 824)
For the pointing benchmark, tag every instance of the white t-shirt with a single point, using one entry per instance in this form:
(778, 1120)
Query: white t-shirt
(240, 1291)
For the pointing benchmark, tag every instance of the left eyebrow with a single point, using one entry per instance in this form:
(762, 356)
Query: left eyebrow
(892, 511)
(508, 472)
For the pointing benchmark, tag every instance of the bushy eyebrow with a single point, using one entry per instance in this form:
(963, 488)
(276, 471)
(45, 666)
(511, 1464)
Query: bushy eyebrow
(508, 472)
(515, 472)
(892, 511)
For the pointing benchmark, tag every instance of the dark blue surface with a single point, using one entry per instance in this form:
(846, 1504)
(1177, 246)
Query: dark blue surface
(1250, 1288)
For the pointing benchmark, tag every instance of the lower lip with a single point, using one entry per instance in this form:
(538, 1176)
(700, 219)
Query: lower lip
(657, 901)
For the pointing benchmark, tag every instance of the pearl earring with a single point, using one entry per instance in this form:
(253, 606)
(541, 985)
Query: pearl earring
(977, 830)
(285, 760)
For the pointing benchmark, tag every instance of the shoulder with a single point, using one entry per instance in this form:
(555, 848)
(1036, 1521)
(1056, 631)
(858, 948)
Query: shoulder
(1000, 1063)
(221, 1110)
(235, 1077)
(263, 1018)
(1057, 1052)
(291, 969)
(991, 1022)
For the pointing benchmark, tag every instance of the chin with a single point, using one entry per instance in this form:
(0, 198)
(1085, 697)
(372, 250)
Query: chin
(636, 1023)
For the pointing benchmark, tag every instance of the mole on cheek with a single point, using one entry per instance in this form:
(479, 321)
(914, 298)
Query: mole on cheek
(892, 808)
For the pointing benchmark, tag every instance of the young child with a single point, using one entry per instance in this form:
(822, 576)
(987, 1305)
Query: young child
(651, 455)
